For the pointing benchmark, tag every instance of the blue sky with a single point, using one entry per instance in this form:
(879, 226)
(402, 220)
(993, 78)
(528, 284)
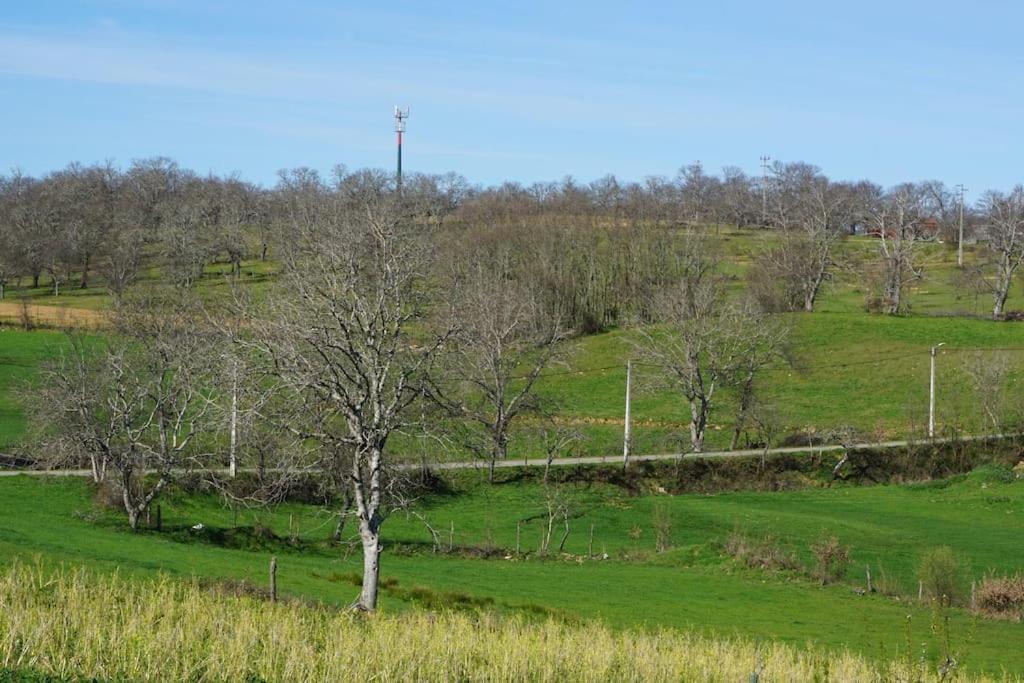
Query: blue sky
(885, 90)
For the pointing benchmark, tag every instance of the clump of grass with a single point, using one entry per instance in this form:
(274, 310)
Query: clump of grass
(73, 625)
(887, 583)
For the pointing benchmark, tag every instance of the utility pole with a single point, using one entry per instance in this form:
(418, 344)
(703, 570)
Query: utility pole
(626, 436)
(400, 116)
(931, 392)
(233, 445)
(765, 160)
(960, 237)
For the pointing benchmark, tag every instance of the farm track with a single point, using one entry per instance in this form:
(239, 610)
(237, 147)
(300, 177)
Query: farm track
(53, 316)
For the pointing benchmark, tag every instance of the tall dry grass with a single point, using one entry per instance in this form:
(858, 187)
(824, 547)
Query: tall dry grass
(74, 624)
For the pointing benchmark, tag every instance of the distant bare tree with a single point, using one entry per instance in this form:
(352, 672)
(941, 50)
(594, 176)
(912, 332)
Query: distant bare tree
(899, 222)
(764, 342)
(504, 338)
(813, 214)
(697, 192)
(988, 374)
(188, 230)
(705, 343)
(737, 203)
(9, 267)
(1004, 219)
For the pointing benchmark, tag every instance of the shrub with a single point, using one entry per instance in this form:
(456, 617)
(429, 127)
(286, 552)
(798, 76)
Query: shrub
(941, 575)
(108, 494)
(1001, 596)
(831, 558)
(662, 523)
(764, 553)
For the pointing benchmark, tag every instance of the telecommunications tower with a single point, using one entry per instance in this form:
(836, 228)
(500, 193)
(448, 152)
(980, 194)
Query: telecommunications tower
(400, 116)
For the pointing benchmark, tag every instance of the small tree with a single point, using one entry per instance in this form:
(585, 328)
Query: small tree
(661, 522)
(899, 221)
(1004, 217)
(134, 404)
(988, 374)
(704, 342)
(941, 575)
(831, 558)
(504, 338)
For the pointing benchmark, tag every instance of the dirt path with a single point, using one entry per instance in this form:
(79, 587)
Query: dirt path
(52, 316)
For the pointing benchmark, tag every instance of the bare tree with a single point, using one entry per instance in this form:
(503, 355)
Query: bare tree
(134, 404)
(341, 334)
(899, 221)
(188, 230)
(8, 235)
(505, 337)
(987, 374)
(764, 342)
(122, 259)
(1004, 218)
(557, 441)
(705, 342)
(813, 214)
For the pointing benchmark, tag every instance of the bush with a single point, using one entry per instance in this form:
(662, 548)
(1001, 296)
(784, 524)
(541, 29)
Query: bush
(941, 575)
(662, 522)
(764, 553)
(108, 494)
(1001, 596)
(831, 558)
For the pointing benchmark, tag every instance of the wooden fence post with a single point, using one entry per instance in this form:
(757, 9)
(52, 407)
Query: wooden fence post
(867, 568)
(273, 579)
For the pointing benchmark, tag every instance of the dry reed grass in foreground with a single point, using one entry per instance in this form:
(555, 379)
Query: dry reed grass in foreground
(74, 624)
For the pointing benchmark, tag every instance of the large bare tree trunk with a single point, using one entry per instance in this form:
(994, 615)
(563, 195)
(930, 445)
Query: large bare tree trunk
(699, 408)
(371, 567)
(1004, 279)
(366, 487)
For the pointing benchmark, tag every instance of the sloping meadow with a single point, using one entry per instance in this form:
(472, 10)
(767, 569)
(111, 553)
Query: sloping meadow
(74, 625)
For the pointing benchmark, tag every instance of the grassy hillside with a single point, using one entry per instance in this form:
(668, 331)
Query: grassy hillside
(870, 372)
(21, 355)
(694, 585)
(847, 367)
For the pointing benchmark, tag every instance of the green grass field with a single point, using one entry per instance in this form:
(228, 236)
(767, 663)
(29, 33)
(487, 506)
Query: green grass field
(692, 586)
(848, 368)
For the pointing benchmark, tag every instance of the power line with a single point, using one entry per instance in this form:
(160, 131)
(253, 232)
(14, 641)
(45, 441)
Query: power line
(795, 367)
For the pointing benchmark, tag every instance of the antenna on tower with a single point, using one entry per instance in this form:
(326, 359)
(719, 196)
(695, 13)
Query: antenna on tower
(400, 116)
